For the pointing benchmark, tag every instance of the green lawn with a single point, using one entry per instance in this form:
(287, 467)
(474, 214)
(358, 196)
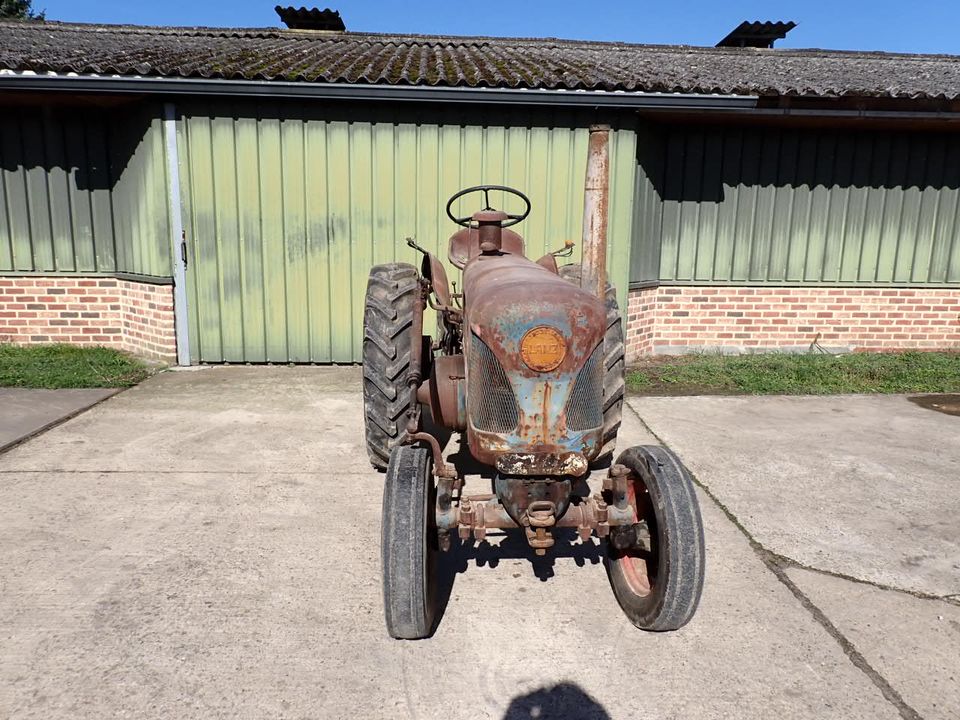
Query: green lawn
(67, 366)
(794, 374)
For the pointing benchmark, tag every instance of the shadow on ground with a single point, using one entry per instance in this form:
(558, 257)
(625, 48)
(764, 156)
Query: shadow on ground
(564, 701)
(465, 555)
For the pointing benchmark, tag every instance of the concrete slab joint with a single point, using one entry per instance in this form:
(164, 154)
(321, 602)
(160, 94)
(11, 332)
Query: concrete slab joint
(822, 531)
(27, 411)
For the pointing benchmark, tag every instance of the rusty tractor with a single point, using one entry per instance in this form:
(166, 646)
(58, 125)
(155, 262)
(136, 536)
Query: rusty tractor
(528, 365)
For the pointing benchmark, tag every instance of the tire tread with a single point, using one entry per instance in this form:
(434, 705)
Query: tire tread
(387, 324)
(683, 563)
(408, 600)
(614, 377)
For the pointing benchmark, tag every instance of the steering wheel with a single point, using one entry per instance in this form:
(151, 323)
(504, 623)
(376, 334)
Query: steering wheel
(466, 220)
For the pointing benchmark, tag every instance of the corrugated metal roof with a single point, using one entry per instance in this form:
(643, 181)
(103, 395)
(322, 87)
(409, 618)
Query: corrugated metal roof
(318, 57)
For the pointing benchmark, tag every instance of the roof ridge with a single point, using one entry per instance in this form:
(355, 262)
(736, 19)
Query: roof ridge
(57, 25)
(400, 38)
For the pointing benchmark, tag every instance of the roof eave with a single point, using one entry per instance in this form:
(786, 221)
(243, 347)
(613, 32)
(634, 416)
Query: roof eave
(11, 80)
(583, 99)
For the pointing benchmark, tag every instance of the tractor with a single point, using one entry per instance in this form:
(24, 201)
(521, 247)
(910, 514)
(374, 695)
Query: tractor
(528, 366)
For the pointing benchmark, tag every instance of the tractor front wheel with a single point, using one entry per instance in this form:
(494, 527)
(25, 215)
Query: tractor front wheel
(409, 543)
(658, 579)
(387, 338)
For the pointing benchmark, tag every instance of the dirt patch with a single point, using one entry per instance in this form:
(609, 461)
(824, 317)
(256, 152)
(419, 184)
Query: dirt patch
(948, 404)
(653, 384)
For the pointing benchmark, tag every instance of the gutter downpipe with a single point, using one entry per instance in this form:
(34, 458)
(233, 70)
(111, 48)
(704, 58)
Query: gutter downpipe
(178, 242)
(596, 203)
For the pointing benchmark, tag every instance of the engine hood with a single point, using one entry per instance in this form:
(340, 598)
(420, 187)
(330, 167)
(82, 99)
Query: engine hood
(507, 296)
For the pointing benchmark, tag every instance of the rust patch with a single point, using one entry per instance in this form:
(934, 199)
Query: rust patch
(542, 463)
(596, 201)
(545, 413)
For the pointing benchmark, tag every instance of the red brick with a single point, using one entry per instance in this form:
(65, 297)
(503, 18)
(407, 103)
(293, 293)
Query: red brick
(859, 318)
(107, 308)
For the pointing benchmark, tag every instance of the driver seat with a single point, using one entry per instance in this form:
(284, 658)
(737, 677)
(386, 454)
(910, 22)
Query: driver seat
(465, 245)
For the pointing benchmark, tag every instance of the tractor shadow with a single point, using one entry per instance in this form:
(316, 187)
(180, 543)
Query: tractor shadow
(465, 555)
(471, 554)
(513, 546)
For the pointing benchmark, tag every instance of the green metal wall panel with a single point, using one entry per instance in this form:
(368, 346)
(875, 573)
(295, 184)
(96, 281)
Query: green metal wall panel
(139, 201)
(288, 205)
(785, 205)
(647, 208)
(82, 190)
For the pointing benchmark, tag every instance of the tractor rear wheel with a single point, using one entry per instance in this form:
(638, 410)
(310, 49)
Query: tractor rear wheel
(387, 337)
(614, 378)
(409, 543)
(658, 579)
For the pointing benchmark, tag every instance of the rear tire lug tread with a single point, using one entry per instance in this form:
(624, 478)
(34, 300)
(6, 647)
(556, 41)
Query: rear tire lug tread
(614, 381)
(388, 319)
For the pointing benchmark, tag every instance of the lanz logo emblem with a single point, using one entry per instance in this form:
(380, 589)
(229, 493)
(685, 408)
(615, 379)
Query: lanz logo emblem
(543, 349)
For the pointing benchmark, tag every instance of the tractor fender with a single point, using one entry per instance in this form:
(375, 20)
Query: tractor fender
(432, 269)
(549, 262)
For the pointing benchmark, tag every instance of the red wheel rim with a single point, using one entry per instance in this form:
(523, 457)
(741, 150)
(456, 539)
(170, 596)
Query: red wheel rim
(639, 564)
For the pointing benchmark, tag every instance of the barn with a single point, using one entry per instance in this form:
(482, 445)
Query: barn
(217, 195)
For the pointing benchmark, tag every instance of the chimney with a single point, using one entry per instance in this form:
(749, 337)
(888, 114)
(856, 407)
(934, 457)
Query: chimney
(757, 34)
(312, 19)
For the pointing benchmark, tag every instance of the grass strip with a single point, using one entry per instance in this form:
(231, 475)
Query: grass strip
(797, 374)
(68, 366)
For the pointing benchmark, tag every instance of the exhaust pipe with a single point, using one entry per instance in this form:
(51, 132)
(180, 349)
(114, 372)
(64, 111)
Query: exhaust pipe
(596, 195)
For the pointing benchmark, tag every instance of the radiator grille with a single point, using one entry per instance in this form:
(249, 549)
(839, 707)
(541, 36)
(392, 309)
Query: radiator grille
(585, 406)
(490, 399)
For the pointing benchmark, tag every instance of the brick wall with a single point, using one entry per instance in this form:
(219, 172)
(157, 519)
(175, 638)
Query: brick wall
(640, 322)
(138, 317)
(123, 314)
(673, 320)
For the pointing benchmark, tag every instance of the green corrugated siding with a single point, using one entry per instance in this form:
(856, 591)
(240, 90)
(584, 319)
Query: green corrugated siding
(769, 205)
(82, 190)
(287, 207)
(647, 208)
(140, 205)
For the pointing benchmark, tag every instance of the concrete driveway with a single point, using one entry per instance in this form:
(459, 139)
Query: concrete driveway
(27, 412)
(206, 545)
